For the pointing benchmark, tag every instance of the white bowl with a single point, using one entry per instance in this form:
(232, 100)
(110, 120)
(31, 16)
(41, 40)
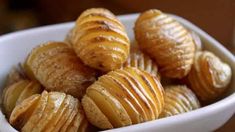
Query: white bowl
(14, 48)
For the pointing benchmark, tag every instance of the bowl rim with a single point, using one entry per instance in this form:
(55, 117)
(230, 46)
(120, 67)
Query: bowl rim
(227, 101)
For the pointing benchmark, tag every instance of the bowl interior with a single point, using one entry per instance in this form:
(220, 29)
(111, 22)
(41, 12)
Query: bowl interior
(14, 47)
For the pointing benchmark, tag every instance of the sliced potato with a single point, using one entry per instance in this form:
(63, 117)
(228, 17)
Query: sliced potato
(123, 97)
(100, 39)
(92, 110)
(66, 114)
(56, 66)
(30, 89)
(71, 117)
(11, 95)
(37, 113)
(59, 115)
(179, 99)
(22, 112)
(55, 99)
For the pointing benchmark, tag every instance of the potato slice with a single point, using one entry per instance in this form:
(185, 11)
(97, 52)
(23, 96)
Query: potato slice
(37, 113)
(11, 95)
(116, 87)
(110, 106)
(30, 89)
(59, 115)
(55, 99)
(22, 112)
(76, 122)
(92, 110)
(66, 114)
(71, 117)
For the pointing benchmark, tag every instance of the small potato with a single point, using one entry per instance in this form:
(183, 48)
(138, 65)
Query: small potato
(100, 39)
(57, 68)
(179, 99)
(209, 76)
(123, 97)
(165, 40)
(17, 92)
(142, 61)
(51, 112)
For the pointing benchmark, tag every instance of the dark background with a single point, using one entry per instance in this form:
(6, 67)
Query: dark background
(217, 17)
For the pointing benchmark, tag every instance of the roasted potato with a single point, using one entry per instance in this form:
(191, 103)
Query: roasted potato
(17, 92)
(56, 66)
(165, 40)
(100, 39)
(209, 76)
(179, 99)
(53, 111)
(123, 97)
(142, 61)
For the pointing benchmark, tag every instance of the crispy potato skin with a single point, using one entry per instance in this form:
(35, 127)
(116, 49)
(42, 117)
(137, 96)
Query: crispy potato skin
(209, 76)
(38, 112)
(100, 39)
(168, 42)
(179, 99)
(123, 97)
(56, 66)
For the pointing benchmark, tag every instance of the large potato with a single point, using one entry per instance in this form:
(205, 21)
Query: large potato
(123, 97)
(179, 99)
(168, 42)
(51, 112)
(17, 92)
(100, 39)
(209, 76)
(57, 68)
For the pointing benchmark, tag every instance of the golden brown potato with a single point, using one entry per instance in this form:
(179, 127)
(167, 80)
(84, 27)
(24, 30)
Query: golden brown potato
(57, 68)
(168, 42)
(123, 97)
(142, 61)
(100, 39)
(50, 112)
(17, 92)
(209, 76)
(179, 99)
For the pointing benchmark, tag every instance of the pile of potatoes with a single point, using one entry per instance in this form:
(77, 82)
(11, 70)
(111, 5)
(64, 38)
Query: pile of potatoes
(97, 80)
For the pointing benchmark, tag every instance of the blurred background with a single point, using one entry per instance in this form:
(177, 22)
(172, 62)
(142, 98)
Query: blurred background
(216, 17)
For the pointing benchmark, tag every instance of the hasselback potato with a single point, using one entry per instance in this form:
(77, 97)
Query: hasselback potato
(57, 68)
(123, 97)
(168, 42)
(179, 99)
(17, 92)
(209, 76)
(100, 39)
(51, 112)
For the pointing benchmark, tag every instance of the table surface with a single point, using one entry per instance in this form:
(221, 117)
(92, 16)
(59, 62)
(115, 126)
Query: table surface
(229, 126)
